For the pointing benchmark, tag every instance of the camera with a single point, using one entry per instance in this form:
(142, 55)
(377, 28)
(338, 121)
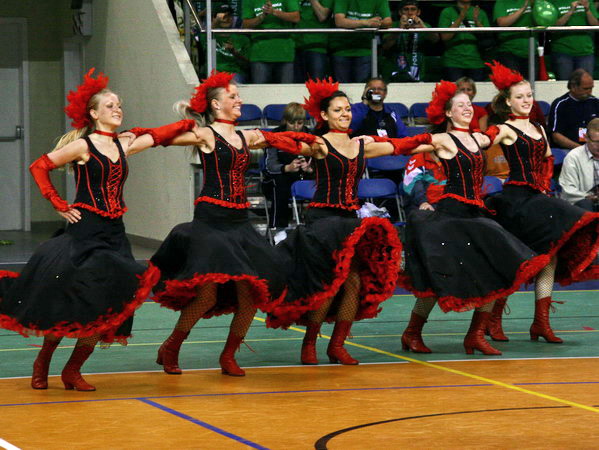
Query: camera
(410, 21)
(370, 95)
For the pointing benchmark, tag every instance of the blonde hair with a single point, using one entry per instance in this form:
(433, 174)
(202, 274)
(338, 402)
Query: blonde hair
(292, 113)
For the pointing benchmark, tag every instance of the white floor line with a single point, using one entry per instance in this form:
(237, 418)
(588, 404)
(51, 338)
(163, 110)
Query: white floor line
(7, 445)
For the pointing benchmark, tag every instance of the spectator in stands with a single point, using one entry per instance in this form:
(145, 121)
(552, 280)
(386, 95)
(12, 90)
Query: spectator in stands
(282, 169)
(271, 56)
(352, 53)
(403, 52)
(579, 178)
(372, 117)
(468, 86)
(462, 57)
(311, 50)
(424, 181)
(513, 46)
(570, 113)
(575, 50)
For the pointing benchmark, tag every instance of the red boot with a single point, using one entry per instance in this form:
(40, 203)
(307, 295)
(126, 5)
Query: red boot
(411, 339)
(309, 344)
(336, 351)
(541, 326)
(494, 328)
(168, 353)
(71, 376)
(227, 361)
(39, 378)
(475, 339)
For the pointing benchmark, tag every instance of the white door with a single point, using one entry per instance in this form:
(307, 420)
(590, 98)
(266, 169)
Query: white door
(13, 192)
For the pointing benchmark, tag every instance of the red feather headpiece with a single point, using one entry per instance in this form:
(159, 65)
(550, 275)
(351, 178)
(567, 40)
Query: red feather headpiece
(78, 100)
(216, 79)
(503, 77)
(319, 90)
(444, 91)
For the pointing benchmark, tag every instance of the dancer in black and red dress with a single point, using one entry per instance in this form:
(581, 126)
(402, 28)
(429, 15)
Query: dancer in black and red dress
(218, 264)
(567, 234)
(85, 283)
(455, 255)
(340, 268)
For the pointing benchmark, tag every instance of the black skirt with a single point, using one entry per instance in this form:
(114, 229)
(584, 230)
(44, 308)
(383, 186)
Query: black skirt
(318, 258)
(552, 227)
(82, 283)
(463, 258)
(219, 246)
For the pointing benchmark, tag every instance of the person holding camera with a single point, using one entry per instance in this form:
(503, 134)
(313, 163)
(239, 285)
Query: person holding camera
(404, 51)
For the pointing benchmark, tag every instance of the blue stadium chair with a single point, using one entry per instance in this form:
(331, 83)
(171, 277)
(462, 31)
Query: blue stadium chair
(492, 185)
(400, 109)
(302, 190)
(481, 104)
(418, 112)
(545, 107)
(383, 188)
(273, 113)
(559, 154)
(413, 131)
(384, 163)
(250, 115)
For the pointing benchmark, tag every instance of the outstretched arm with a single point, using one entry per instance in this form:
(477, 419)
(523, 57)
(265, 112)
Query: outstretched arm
(383, 146)
(287, 141)
(152, 137)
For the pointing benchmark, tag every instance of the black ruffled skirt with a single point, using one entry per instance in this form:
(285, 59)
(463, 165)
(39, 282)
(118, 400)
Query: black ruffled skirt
(79, 284)
(219, 246)
(463, 258)
(551, 226)
(318, 258)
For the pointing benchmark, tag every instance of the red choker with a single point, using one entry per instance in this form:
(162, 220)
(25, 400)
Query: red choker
(467, 130)
(229, 122)
(106, 133)
(340, 131)
(514, 117)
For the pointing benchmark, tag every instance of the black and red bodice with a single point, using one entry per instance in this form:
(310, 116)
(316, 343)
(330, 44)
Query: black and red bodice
(337, 179)
(100, 182)
(464, 175)
(224, 173)
(525, 158)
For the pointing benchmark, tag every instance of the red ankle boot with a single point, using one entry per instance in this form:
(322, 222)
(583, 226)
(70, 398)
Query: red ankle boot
(227, 357)
(309, 344)
(71, 375)
(540, 325)
(39, 378)
(335, 350)
(411, 339)
(475, 339)
(168, 353)
(494, 327)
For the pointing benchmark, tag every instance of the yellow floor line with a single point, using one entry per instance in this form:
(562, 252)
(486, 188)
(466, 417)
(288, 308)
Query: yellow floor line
(460, 372)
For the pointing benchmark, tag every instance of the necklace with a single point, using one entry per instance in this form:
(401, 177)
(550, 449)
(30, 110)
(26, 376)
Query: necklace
(106, 133)
(229, 122)
(467, 130)
(340, 131)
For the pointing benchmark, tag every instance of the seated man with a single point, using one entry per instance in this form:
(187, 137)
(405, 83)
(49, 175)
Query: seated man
(579, 178)
(424, 181)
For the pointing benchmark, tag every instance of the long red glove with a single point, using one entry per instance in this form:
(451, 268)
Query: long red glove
(547, 172)
(165, 134)
(40, 169)
(491, 133)
(405, 145)
(288, 141)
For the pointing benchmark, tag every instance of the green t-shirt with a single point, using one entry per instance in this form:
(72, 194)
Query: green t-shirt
(225, 60)
(514, 43)
(357, 44)
(573, 43)
(462, 49)
(313, 42)
(271, 48)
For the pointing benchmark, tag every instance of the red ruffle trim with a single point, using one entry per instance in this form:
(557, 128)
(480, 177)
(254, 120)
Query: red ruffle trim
(8, 274)
(178, 293)
(334, 205)
(106, 325)
(525, 183)
(220, 202)
(527, 270)
(469, 201)
(111, 215)
(376, 244)
(590, 273)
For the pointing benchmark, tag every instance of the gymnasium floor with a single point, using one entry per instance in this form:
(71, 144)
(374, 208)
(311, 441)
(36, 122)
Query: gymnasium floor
(536, 395)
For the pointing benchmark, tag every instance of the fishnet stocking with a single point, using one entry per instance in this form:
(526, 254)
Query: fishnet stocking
(487, 307)
(242, 320)
(544, 282)
(350, 300)
(194, 311)
(88, 341)
(424, 306)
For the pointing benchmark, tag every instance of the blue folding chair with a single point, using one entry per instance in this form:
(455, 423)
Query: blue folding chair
(492, 185)
(418, 112)
(413, 131)
(273, 113)
(400, 109)
(250, 115)
(383, 188)
(302, 190)
(559, 154)
(545, 107)
(387, 163)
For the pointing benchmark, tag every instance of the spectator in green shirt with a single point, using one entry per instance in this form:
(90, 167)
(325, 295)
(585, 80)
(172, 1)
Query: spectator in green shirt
(352, 53)
(311, 50)
(462, 57)
(573, 50)
(513, 47)
(271, 55)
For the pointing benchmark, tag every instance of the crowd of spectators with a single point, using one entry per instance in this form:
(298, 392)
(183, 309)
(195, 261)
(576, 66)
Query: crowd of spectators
(405, 57)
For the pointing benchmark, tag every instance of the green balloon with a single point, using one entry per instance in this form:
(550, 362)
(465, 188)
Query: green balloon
(544, 13)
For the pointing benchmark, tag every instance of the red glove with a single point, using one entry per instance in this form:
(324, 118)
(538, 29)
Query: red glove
(283, 141)
(40, 169)
(405, 145)
(165, 134)
(299, 136)
(491, 133)
(547, 172)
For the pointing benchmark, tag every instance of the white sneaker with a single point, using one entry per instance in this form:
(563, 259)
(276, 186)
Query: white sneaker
(280, 236)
